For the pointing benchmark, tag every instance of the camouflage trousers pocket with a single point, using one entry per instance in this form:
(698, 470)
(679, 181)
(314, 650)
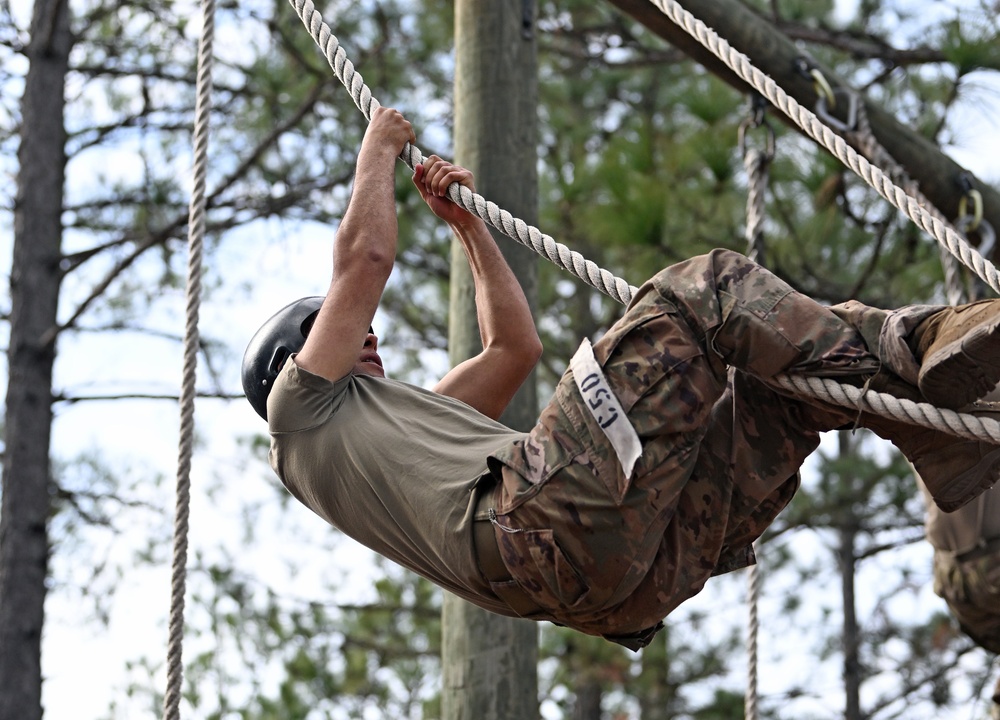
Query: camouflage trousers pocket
(543, 570)
(551, 446)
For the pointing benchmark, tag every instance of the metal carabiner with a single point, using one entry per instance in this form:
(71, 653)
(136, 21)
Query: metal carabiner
(756, 119)
(977, 213)
(841, 126)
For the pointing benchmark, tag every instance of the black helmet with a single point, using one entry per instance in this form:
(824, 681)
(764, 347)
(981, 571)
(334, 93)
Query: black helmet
(282, 335)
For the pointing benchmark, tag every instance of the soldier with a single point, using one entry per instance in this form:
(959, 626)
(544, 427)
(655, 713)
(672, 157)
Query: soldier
(967, 569)
(661, 457)
(967, 564)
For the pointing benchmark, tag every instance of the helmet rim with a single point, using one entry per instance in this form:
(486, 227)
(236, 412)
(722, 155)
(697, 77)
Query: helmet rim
(282, 335)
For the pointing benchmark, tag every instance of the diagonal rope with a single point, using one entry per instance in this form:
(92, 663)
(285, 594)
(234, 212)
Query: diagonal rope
(957, 290)
(922, 414)
(876, 153)
(822, 134)
(502, 220)
(196, 234)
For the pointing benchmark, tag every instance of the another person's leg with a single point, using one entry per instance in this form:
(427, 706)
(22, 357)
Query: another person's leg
(971, 587)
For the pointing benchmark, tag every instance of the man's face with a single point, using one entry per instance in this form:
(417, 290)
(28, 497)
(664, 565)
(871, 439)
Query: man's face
(369, 363)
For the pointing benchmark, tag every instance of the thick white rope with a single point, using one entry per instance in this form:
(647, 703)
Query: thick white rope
(907, 411)
(619, 289)
(499, 218)
(887, 405)
(875, 152)
(822, 134)
(196, 234)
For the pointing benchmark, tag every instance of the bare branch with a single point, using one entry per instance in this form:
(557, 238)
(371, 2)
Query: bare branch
(173, 228)
(72, 400)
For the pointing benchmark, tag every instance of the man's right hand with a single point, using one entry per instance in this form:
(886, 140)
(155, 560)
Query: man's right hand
(388, 128)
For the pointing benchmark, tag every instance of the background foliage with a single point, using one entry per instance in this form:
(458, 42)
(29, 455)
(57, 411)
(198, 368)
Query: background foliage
(640, 167)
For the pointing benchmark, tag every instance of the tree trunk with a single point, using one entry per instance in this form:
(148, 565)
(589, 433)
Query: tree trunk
(852, 663)
(774, 54)
(489, 661)
(34, 283)
(587, 703)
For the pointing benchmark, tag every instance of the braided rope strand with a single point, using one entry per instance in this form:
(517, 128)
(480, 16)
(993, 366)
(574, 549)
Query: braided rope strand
(196, 234)
(865, 140)
(818, 131)
(756, 164)
(750, 706)
(515, 228)
(959, 424)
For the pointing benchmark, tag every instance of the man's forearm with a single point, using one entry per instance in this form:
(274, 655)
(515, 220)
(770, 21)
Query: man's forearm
(370, 223)
(364, 251)
(505, 319)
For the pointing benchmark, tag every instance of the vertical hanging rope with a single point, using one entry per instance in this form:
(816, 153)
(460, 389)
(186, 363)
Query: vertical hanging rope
(196, 233)
(750, 711)
(757, 164)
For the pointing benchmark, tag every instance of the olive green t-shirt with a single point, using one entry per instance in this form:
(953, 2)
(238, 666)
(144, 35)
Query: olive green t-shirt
(391, 465)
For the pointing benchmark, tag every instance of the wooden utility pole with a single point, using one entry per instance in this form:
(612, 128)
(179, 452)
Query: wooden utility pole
(489, 662)
(939, 177)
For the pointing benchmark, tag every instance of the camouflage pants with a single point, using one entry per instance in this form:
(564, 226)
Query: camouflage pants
(972, 590)
(612, 555)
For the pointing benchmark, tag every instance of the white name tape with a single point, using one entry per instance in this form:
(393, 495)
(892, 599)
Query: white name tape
(604, 406)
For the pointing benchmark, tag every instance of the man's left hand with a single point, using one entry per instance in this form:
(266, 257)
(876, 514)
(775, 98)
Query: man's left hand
(433, 178)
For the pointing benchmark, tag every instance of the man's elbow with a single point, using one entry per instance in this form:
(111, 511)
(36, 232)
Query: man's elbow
(535, 349)
(379, 262)
(373, 263)
(517, 355)
(529, 352)
(371, 248)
